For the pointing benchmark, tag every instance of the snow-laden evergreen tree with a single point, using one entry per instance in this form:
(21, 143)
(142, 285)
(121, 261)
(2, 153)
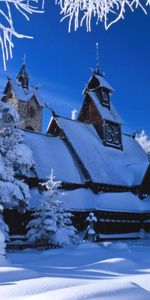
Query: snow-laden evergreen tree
(3, 234)
(50, 223)
(143, 139)
(15, 159)
(2, 245)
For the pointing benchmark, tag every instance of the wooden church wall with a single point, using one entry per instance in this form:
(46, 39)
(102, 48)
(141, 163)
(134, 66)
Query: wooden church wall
(93, 114)
(108, 222)
(113, 222)
(89, 113)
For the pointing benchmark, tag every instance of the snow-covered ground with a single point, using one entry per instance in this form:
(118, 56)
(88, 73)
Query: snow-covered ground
(111, 270)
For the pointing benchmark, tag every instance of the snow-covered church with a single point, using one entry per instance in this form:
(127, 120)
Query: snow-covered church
(102, 169)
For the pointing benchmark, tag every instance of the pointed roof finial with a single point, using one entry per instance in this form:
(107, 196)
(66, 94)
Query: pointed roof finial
(97, 58)
(24, 59)
(23, 75)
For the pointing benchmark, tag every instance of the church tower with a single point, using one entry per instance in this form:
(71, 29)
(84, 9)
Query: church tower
(98, 110)
(23, 77)
(26, 100)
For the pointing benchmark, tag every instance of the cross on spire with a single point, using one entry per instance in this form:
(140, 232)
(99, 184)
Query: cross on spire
(97, 58)
(24, 59)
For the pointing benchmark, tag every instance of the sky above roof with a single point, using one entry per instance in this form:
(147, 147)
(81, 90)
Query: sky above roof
(60, 62)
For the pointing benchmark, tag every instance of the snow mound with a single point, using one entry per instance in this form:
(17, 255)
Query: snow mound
(88, 246)
(120, 246)
(10, 273)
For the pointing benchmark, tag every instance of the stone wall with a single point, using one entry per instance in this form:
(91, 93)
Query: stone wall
(29, 111)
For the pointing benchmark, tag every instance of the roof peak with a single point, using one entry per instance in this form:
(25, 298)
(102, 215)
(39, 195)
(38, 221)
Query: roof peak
(23, 76)
(23, 71)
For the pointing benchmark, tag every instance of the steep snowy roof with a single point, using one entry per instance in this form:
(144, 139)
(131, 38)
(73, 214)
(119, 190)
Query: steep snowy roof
(110, 115)
(25, 94)
(100, 81)
(52, 153)
(105, 164)
(23, 72)
(103, 82)
(83, 199)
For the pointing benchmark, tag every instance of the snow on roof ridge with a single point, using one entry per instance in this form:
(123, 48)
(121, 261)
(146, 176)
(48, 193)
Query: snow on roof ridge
(110, 115)
(77, 121)
(104, 82)
(116, 202)
(132, 162)
(41, 133)
(25, 94)
(50, 152)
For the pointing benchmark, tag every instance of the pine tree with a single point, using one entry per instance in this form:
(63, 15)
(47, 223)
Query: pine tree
(2, 244)
(50, 223)
(15, 159)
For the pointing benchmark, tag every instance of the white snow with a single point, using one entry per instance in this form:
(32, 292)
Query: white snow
(143, 140)
(79, 12)
(106, 164)
(111, 270)
(51, 153)
(84, 199)
(36, 198)
(74, 114)
(50, 222)
(110, 115)
(15, 157)
(2, 244)
(103, 82)
(25, 94)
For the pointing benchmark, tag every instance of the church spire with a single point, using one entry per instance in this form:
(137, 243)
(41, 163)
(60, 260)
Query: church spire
(97, 71)
(97, 58)
(23, 76)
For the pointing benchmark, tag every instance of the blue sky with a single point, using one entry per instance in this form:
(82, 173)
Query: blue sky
(60, 62)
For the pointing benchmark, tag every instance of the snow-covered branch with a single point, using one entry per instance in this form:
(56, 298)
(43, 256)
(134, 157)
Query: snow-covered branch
(77, 11)
(15, 160)
(74, 114)
(7, 29)
(107, 11)
(143, 140)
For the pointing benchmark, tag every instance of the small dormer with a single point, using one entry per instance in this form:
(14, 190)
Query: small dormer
(23, 77)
